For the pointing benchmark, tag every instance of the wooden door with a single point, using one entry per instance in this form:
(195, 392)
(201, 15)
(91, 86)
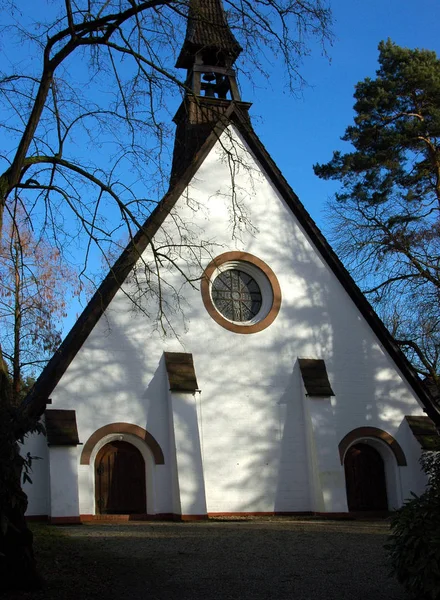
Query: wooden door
(365, 479)
(120, 480)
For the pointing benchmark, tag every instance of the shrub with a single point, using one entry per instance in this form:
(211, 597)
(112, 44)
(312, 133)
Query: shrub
(414, 544)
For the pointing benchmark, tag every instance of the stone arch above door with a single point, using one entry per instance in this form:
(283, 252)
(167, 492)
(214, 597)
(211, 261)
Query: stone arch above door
(356, 435)
(114, 428)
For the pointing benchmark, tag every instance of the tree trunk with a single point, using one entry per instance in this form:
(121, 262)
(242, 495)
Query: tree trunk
(16, 372)
(17, 563)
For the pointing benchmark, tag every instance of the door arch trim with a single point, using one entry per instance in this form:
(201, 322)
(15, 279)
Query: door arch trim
(150, 465)
(115, 428)
(356, 435)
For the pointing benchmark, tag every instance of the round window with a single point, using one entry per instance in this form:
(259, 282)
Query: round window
(236, 295)
(241, 292)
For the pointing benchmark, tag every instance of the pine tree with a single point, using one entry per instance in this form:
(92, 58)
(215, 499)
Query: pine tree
(386, 216)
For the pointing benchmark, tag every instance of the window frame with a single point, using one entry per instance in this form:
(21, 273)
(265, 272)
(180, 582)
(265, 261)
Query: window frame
(266, 280)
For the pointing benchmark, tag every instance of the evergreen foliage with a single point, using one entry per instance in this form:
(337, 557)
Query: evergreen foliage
(386, 216)
(395, 136)
(414, 546)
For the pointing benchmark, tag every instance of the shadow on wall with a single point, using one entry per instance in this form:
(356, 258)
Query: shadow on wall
(115, 378)
(252, 422)
(250, 411)
(38, 490)
(155, 399)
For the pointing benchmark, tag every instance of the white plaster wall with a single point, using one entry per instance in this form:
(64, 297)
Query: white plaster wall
(63, 461)
(114, 380)
(412, 477)
(189, 482)
(253, 431)
(330, 491)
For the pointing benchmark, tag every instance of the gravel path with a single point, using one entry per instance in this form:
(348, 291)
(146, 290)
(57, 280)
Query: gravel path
(244, 560)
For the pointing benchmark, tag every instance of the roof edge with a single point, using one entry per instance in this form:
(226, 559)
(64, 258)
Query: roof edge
(36, 400)
(342, 274)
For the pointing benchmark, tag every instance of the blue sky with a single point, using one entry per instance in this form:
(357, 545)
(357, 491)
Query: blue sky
(303, 131)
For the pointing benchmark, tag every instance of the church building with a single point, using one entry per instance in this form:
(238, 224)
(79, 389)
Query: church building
(228, 364)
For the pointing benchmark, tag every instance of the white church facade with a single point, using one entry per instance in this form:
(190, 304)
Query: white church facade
(275, 390)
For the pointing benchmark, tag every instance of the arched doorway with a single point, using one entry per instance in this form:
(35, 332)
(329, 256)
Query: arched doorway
(120, 480)
(365, 479)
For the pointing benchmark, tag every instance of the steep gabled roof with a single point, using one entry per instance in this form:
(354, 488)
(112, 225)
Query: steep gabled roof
(59, 363)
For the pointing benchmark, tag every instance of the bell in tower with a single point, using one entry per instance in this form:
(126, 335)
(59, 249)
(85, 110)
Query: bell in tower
(209, 51)
(208, 54)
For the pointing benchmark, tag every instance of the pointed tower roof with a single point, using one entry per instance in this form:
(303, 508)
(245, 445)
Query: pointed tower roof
(208, 32)
(208, 53)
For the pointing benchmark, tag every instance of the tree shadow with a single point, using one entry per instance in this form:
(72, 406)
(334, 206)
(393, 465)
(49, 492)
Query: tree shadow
(250, 561)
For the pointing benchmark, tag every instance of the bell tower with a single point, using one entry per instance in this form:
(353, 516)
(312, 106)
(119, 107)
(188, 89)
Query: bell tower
(208, 54)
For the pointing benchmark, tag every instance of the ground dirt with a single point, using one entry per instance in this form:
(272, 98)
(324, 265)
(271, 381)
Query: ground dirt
(270, 559)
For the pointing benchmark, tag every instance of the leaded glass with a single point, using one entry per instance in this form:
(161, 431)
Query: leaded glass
(236, 295)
